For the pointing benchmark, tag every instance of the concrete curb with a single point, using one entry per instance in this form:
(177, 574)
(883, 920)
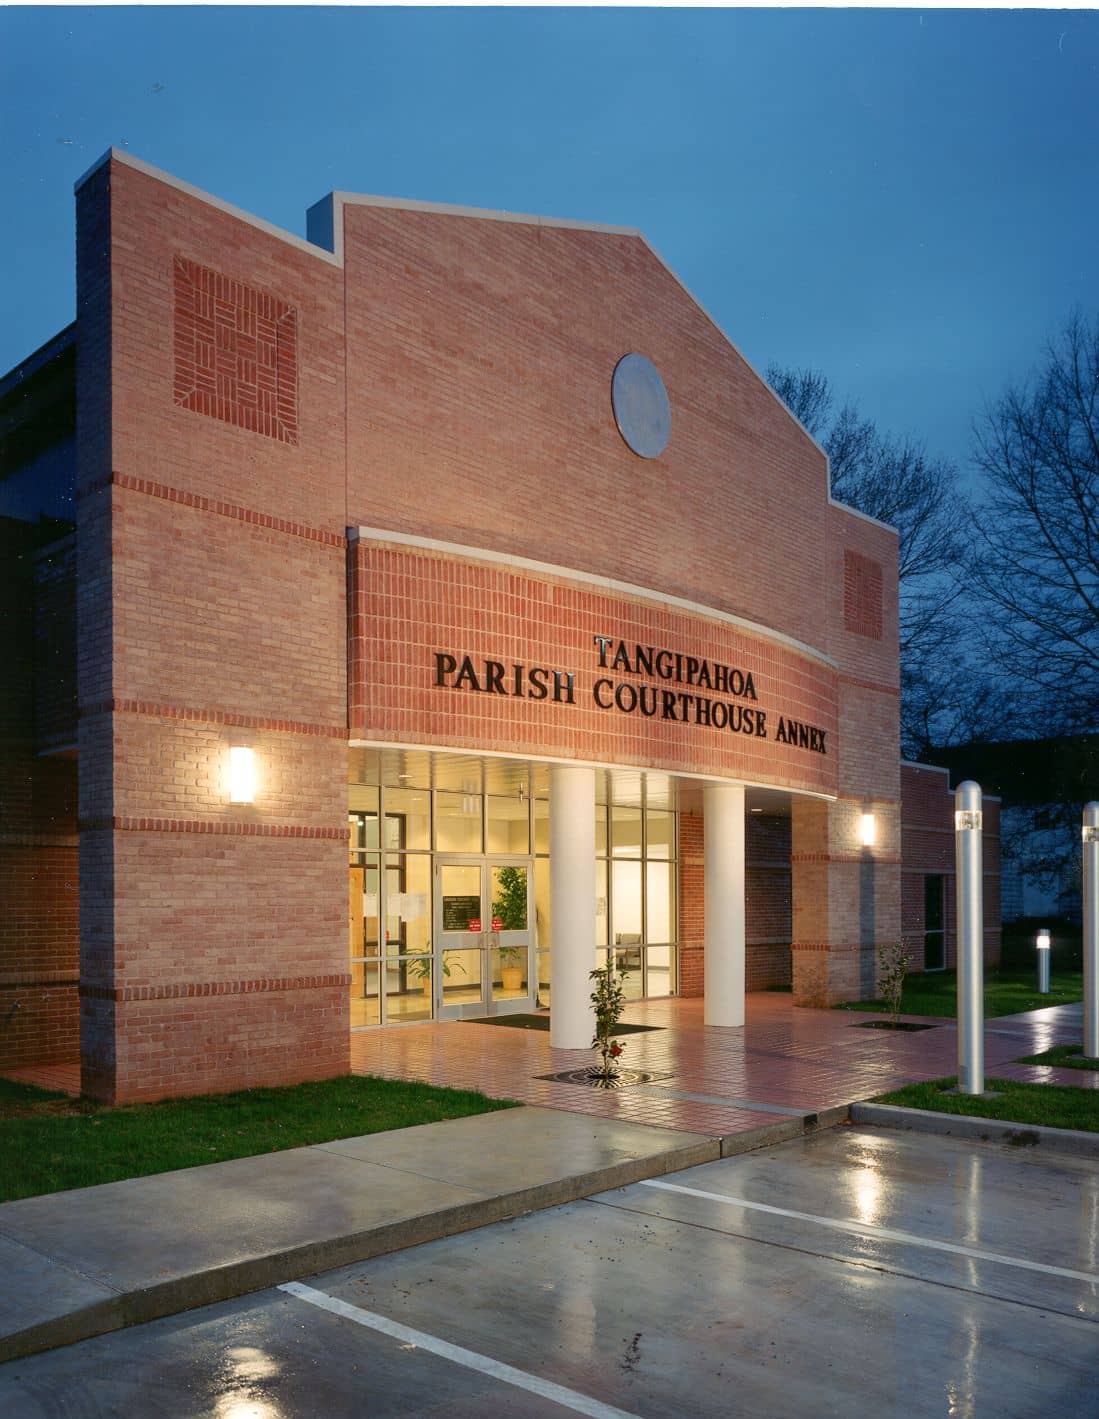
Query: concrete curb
(257, 1273)
(735, 1143)
(988, 1130)
(203, 1288)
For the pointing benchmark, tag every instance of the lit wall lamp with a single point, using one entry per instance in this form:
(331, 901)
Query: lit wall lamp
(867, 830)
(1041, 942)
(242, 775)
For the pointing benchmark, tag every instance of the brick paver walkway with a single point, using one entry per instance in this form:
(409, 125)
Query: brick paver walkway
(721, 1081)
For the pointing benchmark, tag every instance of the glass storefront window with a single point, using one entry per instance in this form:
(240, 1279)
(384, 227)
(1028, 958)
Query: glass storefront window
(508, 896)
(361, 799)
(660, 833)
(660, 901)
(627, 959)
(541, 825)
(508, 825)
(365, 1006)
(626, 924)
(458, 822)
(394, 958)
(658, 976)
(407, 991)
(625, 831)
(460, 885)
(600, 830)
(542, 902)
(601, 913)
(364, 906)
(407, 819)
(544, 979)
(407, 904)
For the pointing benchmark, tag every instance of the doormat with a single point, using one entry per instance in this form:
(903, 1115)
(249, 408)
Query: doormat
(889, 1025)
(542, 1022)
(590, 1077)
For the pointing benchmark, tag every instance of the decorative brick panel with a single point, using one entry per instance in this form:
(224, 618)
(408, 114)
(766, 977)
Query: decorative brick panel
(862, 595)
(236, 352)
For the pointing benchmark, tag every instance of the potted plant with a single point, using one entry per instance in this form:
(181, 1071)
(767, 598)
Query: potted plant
(420, 966)
(511, 967)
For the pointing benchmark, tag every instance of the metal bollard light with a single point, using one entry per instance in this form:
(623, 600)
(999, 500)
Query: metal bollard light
(971, 1001)
(1041, 945)
(1091, 929)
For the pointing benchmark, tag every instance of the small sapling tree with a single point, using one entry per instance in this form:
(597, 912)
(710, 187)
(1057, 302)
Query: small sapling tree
(607, 998)
(893, 962)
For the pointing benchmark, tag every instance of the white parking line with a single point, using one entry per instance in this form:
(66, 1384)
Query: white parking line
(558, 1394)
(887, 1234)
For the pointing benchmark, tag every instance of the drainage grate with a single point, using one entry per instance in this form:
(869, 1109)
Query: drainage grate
(624, 1079)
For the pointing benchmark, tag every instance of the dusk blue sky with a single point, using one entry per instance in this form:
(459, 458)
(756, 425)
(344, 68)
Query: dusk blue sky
(907, 201)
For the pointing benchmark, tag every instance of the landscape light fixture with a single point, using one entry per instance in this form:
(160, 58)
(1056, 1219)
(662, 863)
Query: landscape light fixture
(1090, 911)
(970, 907)
(1041, 942)
(867, 830)
(242, 774)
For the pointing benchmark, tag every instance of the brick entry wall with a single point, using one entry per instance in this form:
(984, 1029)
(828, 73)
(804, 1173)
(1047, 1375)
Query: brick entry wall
(211, 517)
(927, 829)
(767, 907)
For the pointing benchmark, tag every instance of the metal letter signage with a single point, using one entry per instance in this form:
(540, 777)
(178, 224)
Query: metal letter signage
(730, 706)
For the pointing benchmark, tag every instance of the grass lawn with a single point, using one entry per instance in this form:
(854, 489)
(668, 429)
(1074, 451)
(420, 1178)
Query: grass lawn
(1062, 1057)
(49, 1142)
(1054, 1105)
(1006, 992)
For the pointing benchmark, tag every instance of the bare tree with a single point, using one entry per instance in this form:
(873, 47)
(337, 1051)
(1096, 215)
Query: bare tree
(1036, 564)
(898, 482)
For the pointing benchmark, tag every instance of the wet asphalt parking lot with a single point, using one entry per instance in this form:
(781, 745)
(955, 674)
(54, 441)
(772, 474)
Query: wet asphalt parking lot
(854, 1270)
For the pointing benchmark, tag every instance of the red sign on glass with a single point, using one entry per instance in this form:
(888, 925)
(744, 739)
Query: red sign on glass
(497, 923)
(475, 923)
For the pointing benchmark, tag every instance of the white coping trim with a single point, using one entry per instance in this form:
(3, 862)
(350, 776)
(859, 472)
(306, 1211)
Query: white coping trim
(854, 511)
(128, 160)
(678, 774)
(934, 768)
(938, 769)
(481, 554)
(484, 214)
(335, 257)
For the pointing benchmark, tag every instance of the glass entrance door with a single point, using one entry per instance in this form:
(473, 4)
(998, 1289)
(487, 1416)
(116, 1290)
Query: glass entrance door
(483, 936)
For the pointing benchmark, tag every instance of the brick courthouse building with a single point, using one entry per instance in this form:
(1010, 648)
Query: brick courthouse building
(356, 587)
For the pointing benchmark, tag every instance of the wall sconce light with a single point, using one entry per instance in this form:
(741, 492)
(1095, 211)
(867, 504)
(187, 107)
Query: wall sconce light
(242, 775)
(867, 830)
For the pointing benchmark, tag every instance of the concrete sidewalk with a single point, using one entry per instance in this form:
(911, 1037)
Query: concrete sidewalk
(84, 1262)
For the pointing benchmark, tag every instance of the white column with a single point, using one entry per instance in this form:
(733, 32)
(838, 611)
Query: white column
(572, 905)
(723, 826)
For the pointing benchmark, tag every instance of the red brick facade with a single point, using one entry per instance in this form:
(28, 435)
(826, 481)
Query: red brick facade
(246, 403)
(927, 834)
